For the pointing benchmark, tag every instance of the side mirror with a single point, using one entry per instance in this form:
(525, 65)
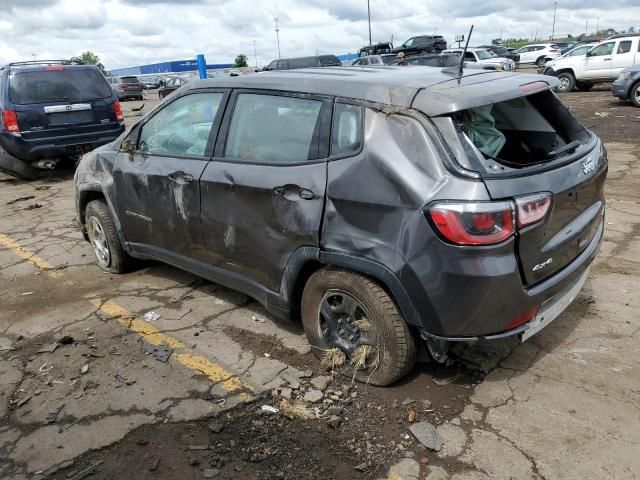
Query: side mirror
(588, 54)
(128, 146)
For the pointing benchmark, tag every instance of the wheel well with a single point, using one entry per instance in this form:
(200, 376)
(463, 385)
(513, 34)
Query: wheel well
(85, 198)
(566, 70)
(295, 302)
(633, 85)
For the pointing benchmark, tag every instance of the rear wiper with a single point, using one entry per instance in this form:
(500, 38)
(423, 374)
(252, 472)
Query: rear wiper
(569, 147)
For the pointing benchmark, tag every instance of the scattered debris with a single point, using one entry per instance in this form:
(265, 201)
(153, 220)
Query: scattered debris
(360, 356)
(66, 340)
(267, 355)
(334, 410)
(21, 199)
(87, 471)
(427, 435)
(445, 381)
(159, 352)
(49, 348)
(222, 402)
(313, 396)
(137, 109)
(44, 367)
(286, 393)
(77, 420)
(602, 114)
(321, 382)
(43, 187)
(269, 409)
(23, 401)
(27, 293)
(151, 316)
(154, 464)
(210, 473)
(199, 447)
(216, 427)
(33, 206)
(411, 415)
(334, 421)
(52, 416)
(84, 369)
(362, 467)
(296, 410)
(332, 358)
(258, 318)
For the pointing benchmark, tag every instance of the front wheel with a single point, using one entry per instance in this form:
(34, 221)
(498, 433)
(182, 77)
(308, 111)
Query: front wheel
(635, 94)
(541, 62)
(567, 82)
(104, 238)
(355, 327)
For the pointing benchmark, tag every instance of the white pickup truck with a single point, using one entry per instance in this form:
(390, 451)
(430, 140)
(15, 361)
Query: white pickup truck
(603, 63)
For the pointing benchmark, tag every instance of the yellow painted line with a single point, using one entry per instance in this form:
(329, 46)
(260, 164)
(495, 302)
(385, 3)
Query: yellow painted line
(26, 255)
(216, 373)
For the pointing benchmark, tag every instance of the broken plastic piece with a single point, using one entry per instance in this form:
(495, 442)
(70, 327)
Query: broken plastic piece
(159, 352)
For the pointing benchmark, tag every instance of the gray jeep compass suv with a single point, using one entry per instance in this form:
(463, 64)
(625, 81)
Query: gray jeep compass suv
(387, 208)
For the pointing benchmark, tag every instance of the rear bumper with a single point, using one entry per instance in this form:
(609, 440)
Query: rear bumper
(31, 150)
(129, 93)
(475, 294)
(620, 89)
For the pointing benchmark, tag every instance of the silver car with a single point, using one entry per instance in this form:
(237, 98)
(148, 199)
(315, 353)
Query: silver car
(126, 87)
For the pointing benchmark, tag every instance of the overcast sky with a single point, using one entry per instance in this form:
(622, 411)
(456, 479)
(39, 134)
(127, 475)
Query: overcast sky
(133, 32)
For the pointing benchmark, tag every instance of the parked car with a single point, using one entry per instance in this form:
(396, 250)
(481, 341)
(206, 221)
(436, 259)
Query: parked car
(580, 50)
(565, 46)
(377, 49)
(387, 59)
(422, 44)
(482, 56)
(504, 52)
(538, 54)
(602, 63)
(127, 87)
(150, 83)
(627, 85)
(51, 110)
(304, 62)
(171, 85)
(487, 211)
(444, 60)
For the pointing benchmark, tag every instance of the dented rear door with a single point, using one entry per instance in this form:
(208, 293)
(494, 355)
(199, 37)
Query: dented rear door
(263, 193)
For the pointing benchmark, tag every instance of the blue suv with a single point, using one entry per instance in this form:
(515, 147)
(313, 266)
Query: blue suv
(53, 109)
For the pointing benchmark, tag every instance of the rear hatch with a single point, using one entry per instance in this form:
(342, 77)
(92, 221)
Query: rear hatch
(61, 100)
(529, 149)
(130, 84)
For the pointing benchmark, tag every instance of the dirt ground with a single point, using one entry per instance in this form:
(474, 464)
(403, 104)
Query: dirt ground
(564, 405)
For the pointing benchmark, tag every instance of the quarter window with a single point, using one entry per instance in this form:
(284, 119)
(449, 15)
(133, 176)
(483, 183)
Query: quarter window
(274, 129)
(182, 127)
(624, 47)
(347, 130)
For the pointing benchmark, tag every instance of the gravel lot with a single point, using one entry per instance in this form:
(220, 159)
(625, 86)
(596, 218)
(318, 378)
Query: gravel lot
(564, 405)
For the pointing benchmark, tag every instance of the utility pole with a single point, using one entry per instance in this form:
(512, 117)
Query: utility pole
(275, 20)
(255, 53)
(553, 29)
(597, 24)
(369, 16)
(586, 29)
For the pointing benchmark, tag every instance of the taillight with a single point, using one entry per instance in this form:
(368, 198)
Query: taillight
(474, 223)
(524, 317)
(10, 121)
(533, 208)
(117, 109)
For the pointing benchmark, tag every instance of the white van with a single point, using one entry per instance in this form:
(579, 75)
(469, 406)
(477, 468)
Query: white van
(602, 64)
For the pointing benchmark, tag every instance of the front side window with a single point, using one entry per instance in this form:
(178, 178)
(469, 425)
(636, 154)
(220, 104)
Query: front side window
(578, 51)
(470, 56)
(409, 42)
(182, 127)
(624, 47)
(346, 138)
(483, 54)
(273, 129)
(601, 50)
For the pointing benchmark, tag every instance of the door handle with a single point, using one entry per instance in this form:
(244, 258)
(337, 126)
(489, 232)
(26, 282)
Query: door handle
(289, 191)
(180, 177)
(606, 59)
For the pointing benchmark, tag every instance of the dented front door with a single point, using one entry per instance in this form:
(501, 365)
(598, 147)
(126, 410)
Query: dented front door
(263, 194)
(157, 186)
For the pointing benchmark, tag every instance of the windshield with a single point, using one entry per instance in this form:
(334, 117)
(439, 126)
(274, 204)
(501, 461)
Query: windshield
(58, 85)
(483, 55)
(579, 51)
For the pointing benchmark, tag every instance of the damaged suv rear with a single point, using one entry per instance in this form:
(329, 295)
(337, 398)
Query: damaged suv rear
(389, 208)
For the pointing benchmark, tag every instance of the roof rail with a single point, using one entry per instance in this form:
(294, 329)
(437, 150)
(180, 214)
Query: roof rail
(46, 62)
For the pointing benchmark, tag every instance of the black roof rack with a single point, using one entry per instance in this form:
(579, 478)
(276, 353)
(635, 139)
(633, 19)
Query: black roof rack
(45, 62)
(623, 35)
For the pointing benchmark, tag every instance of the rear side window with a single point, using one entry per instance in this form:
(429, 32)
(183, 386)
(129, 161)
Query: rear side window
(130, 80)
(303, 62)
(624, 47)
(326, 60)
(274, 129)
(59, 85)
(346, 137)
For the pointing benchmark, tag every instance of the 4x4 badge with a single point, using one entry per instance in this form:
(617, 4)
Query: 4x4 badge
(540, 266)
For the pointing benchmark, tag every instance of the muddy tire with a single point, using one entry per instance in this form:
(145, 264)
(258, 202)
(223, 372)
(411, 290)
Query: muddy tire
(104, 240)
(634, 94)
(354, 314)
(567, 82)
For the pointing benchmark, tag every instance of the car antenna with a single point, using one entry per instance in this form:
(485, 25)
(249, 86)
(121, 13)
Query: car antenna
(464, 52)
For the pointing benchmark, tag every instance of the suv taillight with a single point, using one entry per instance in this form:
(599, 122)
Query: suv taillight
(474, 223)
(117, 109)
(487, 223)
(10, 121)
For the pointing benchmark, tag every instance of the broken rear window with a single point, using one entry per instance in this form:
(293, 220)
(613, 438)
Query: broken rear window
(517, 133)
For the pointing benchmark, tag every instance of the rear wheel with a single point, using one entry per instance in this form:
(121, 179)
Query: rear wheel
(635, 94)
(567, 82)
(355, 328)
(540, 62)
(104, 238)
